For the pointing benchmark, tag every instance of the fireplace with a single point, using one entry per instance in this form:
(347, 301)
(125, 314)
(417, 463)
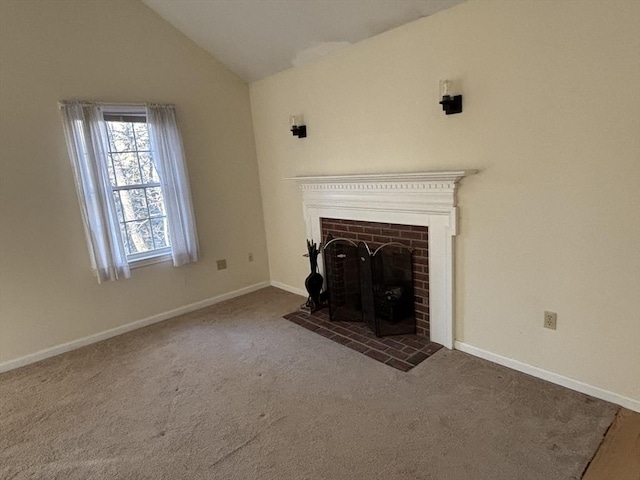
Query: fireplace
(389, 288)
(416, 199)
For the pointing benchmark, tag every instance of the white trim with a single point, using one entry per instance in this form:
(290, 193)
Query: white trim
(152, 260)
(424, 199)
(124, 108)
(538, 372)
(289, 288)
(98, 337)
(421, 178)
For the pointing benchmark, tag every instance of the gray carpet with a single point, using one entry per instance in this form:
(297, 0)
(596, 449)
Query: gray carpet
(234, 391)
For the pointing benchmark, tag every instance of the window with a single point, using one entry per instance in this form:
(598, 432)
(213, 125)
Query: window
(135, 186)
(132, 183)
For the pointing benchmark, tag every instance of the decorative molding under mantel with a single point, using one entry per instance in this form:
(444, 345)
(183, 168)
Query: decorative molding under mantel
(423, 198)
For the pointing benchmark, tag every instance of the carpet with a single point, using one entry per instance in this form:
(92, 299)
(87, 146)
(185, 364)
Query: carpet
(234, 391)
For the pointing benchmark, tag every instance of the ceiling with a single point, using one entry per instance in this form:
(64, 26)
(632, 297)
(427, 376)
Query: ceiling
(257, 38)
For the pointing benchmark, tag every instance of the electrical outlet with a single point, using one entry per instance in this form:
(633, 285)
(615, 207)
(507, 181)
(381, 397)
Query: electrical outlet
(250, 257)
(550, 320)
(222, 264)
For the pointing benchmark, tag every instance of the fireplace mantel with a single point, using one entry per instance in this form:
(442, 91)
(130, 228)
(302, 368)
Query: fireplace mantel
(427, 199)
(418, 177)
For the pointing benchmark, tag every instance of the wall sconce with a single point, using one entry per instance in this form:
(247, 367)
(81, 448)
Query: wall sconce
(297, 126)
(450, 104)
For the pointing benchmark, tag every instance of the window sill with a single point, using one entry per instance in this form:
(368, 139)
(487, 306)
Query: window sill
(143, 262)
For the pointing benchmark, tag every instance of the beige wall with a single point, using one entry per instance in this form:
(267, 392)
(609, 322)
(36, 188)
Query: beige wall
(116, 51)
(551, 119)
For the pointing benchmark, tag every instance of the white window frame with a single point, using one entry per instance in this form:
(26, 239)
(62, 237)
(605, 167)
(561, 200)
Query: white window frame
(142, 259)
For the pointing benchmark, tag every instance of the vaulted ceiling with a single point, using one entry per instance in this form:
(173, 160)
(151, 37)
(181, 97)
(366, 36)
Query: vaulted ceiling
(257, 38)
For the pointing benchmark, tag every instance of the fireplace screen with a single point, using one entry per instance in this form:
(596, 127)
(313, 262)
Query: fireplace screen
(374, 287)
(343, 280)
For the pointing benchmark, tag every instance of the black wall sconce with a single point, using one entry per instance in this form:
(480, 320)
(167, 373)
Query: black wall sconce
(450, 104)
(298, 129)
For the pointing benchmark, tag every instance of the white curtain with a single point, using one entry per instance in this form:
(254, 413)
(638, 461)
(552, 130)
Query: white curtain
(86, 136)
(168, 155)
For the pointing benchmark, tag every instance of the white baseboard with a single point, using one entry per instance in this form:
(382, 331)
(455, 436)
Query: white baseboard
(537, 372)
(97, 337)
(288, 288)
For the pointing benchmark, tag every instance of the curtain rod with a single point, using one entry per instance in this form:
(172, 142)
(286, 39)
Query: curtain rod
(113, 104)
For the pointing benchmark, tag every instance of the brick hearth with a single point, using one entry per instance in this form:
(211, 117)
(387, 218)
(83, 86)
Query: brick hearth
(402, 352)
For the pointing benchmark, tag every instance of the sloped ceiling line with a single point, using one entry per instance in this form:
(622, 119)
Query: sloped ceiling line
(257, 38)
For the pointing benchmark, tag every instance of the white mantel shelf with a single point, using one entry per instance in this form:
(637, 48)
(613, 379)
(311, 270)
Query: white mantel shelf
(425, 199)
(419, 178)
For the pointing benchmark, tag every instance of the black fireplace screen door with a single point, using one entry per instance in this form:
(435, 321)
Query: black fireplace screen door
(341, 268)
(392, 282)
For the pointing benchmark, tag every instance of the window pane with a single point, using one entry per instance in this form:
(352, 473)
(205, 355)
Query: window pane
(160, 232)
(149, 172)
(126, 168)
(155, 202)
(142, 135)
(134, 204)
(139, 236)
(120, 136)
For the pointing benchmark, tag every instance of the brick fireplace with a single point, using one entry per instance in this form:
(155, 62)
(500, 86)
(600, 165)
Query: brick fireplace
(425, 200)
(414, 237)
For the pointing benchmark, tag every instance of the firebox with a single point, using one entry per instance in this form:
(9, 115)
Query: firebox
(375, 234)
(374, 287)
